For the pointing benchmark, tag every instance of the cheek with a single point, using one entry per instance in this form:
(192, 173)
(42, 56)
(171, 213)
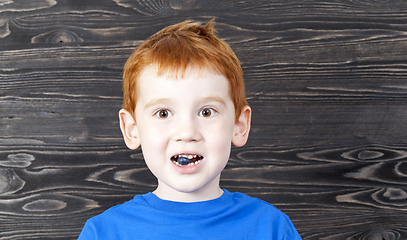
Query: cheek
(153, 149)
(222, 141)
(152, 140)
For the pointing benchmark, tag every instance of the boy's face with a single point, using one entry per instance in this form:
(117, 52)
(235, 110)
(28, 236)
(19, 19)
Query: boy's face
(189, 117)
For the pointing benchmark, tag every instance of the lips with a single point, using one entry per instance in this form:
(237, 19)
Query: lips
(192, 160)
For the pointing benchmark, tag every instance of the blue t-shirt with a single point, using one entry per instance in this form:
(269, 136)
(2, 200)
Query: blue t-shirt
(231, 216)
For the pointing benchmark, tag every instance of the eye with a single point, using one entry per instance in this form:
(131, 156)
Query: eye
(207, 112)
(163, 113)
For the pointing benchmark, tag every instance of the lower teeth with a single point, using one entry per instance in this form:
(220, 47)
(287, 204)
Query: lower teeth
(187, 165)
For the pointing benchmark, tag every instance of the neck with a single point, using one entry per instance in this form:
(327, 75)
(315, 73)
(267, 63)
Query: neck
(207, 192)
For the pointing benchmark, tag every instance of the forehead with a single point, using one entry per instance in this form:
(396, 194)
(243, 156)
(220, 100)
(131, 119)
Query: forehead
(152, 79)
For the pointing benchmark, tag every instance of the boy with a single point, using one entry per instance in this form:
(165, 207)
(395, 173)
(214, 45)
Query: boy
(184, 104)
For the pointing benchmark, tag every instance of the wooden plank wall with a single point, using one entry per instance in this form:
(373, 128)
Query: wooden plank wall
(326, 81)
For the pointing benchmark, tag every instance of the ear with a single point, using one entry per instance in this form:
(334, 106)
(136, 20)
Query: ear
(129, 130)
(242, 127)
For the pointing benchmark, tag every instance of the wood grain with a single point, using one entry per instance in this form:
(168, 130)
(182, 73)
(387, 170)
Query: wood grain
(326, 81)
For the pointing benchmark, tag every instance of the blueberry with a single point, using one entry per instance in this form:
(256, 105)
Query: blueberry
(183, 160)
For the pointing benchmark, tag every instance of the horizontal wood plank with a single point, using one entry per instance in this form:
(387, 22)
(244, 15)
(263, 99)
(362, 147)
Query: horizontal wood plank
(325, 79)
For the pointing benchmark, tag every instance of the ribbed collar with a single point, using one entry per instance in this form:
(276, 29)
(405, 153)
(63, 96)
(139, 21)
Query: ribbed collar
(189, 208)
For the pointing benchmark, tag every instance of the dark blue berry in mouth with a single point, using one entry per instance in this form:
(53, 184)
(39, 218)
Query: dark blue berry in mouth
(183, 160)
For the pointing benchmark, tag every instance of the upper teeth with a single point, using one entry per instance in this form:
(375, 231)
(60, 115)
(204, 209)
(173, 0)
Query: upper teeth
(188, 156)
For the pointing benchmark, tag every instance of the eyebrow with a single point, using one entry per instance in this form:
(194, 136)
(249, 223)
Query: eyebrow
(215, 99)
(166, 100)
(157, 101)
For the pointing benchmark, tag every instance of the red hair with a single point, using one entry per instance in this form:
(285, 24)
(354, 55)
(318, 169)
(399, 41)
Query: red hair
(174, 49)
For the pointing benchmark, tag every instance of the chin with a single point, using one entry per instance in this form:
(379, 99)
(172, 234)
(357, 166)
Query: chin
(188, 189)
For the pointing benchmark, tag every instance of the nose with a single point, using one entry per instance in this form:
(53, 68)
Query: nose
(187, 130)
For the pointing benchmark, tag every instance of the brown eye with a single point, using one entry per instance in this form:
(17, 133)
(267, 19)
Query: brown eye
(207, 112)
(163, 113)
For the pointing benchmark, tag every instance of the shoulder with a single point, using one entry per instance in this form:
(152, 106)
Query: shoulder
(268, 219)
(248, 201)
(114, 217)
(260, 209)
(119, 211)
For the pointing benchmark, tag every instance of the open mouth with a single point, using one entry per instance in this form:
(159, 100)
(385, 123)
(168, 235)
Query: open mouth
(186, 160)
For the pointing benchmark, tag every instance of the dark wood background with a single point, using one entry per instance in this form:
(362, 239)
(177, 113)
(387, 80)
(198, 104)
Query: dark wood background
(326, 81)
